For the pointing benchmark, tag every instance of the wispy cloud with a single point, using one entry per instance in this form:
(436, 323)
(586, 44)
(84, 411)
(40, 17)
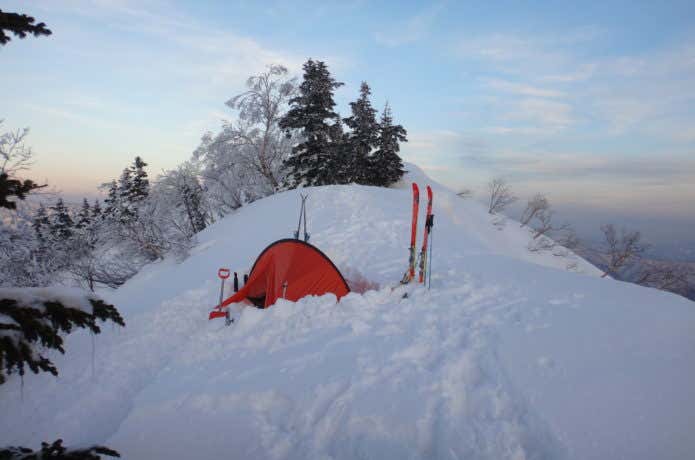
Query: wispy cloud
(412, 29)
(543, 113)
(521, 88)
(641, 93)
(186, 48)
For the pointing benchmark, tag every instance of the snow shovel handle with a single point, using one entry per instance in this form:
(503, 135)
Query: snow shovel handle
(223, 273)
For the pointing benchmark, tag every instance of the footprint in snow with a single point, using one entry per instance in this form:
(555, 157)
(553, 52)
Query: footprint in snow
(546, 363)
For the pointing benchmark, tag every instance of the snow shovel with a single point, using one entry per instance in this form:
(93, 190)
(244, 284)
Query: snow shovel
(223, 274)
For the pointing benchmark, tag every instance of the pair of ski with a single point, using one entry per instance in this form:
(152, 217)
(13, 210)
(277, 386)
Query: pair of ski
(414, 260)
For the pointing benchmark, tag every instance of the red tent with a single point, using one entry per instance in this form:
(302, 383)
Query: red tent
(288, 269)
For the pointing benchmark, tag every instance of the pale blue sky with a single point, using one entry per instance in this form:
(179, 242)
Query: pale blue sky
(590, 102)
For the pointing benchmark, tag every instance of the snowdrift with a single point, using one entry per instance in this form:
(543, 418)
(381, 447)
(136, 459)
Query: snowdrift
(509, 355)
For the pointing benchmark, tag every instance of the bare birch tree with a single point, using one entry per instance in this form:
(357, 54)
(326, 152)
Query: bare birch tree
(15, 156)
(243, 162)
(666, 276)
(621, 250)
(539, 203)
(501, 195)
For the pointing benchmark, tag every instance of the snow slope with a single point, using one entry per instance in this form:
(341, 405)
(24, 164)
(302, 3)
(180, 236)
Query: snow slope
(509, 355)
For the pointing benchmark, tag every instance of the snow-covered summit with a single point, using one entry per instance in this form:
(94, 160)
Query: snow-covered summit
(509, 355)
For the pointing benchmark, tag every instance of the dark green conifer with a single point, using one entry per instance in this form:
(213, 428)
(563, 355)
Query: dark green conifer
(312, 161)
(385, 163)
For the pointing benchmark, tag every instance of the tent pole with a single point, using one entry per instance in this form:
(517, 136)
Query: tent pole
(306, 234)
(299, 224)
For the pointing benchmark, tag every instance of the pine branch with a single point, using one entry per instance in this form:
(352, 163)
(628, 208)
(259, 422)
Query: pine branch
(56, 451)
(42, 323)
(20, 25)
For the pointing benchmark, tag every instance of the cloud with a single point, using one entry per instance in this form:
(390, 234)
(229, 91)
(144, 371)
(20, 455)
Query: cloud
(521, 88)
(551, 115)
(411, 30)
(75, 115)
(637, 93)
(471, 151)
(659, 184)
(580, 73)
(178, 45)
(650, 94)
(516, 130)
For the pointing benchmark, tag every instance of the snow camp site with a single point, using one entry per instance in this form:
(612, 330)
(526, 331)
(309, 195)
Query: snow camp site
(509, 354)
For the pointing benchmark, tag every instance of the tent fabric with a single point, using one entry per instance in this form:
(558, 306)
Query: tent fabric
(293, 266)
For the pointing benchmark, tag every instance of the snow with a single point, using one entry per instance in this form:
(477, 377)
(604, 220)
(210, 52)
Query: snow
(509, 355)
(37, 297)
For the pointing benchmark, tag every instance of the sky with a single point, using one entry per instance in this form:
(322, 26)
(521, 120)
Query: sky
(591, 103)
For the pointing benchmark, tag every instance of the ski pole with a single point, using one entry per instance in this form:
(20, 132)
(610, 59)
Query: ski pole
(429, 271)
(301, 213)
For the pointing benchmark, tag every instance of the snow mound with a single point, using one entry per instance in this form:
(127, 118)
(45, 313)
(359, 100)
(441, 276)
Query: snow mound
(508, 355)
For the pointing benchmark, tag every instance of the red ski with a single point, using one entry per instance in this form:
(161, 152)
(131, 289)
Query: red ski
(429, 220)
(410, 273)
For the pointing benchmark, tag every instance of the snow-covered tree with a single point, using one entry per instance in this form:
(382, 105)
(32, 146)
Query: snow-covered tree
(111, 200)
(84, 216)
(40, 223)
(34, 321)
(181, 190)
(260, 109)
(227, 182)
(15, 157)
(23, 258)
(362, 140)
(126, 209)
(537, 205)
(501, 195)
(244, 161)
(61, 224)
(385, 163)
(97, 213)
(140, 184)
(312, 162)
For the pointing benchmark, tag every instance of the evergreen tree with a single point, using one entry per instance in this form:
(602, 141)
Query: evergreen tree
(10, 187)
(312, 161)
(140, 185)
(61, 224)
(96, 210)
(363, 138)
(192, 195)
(386, 165)
(34, 322)
(341, 153)
(125, 211)
(40, 223)
(84, 216)
(112, 201)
